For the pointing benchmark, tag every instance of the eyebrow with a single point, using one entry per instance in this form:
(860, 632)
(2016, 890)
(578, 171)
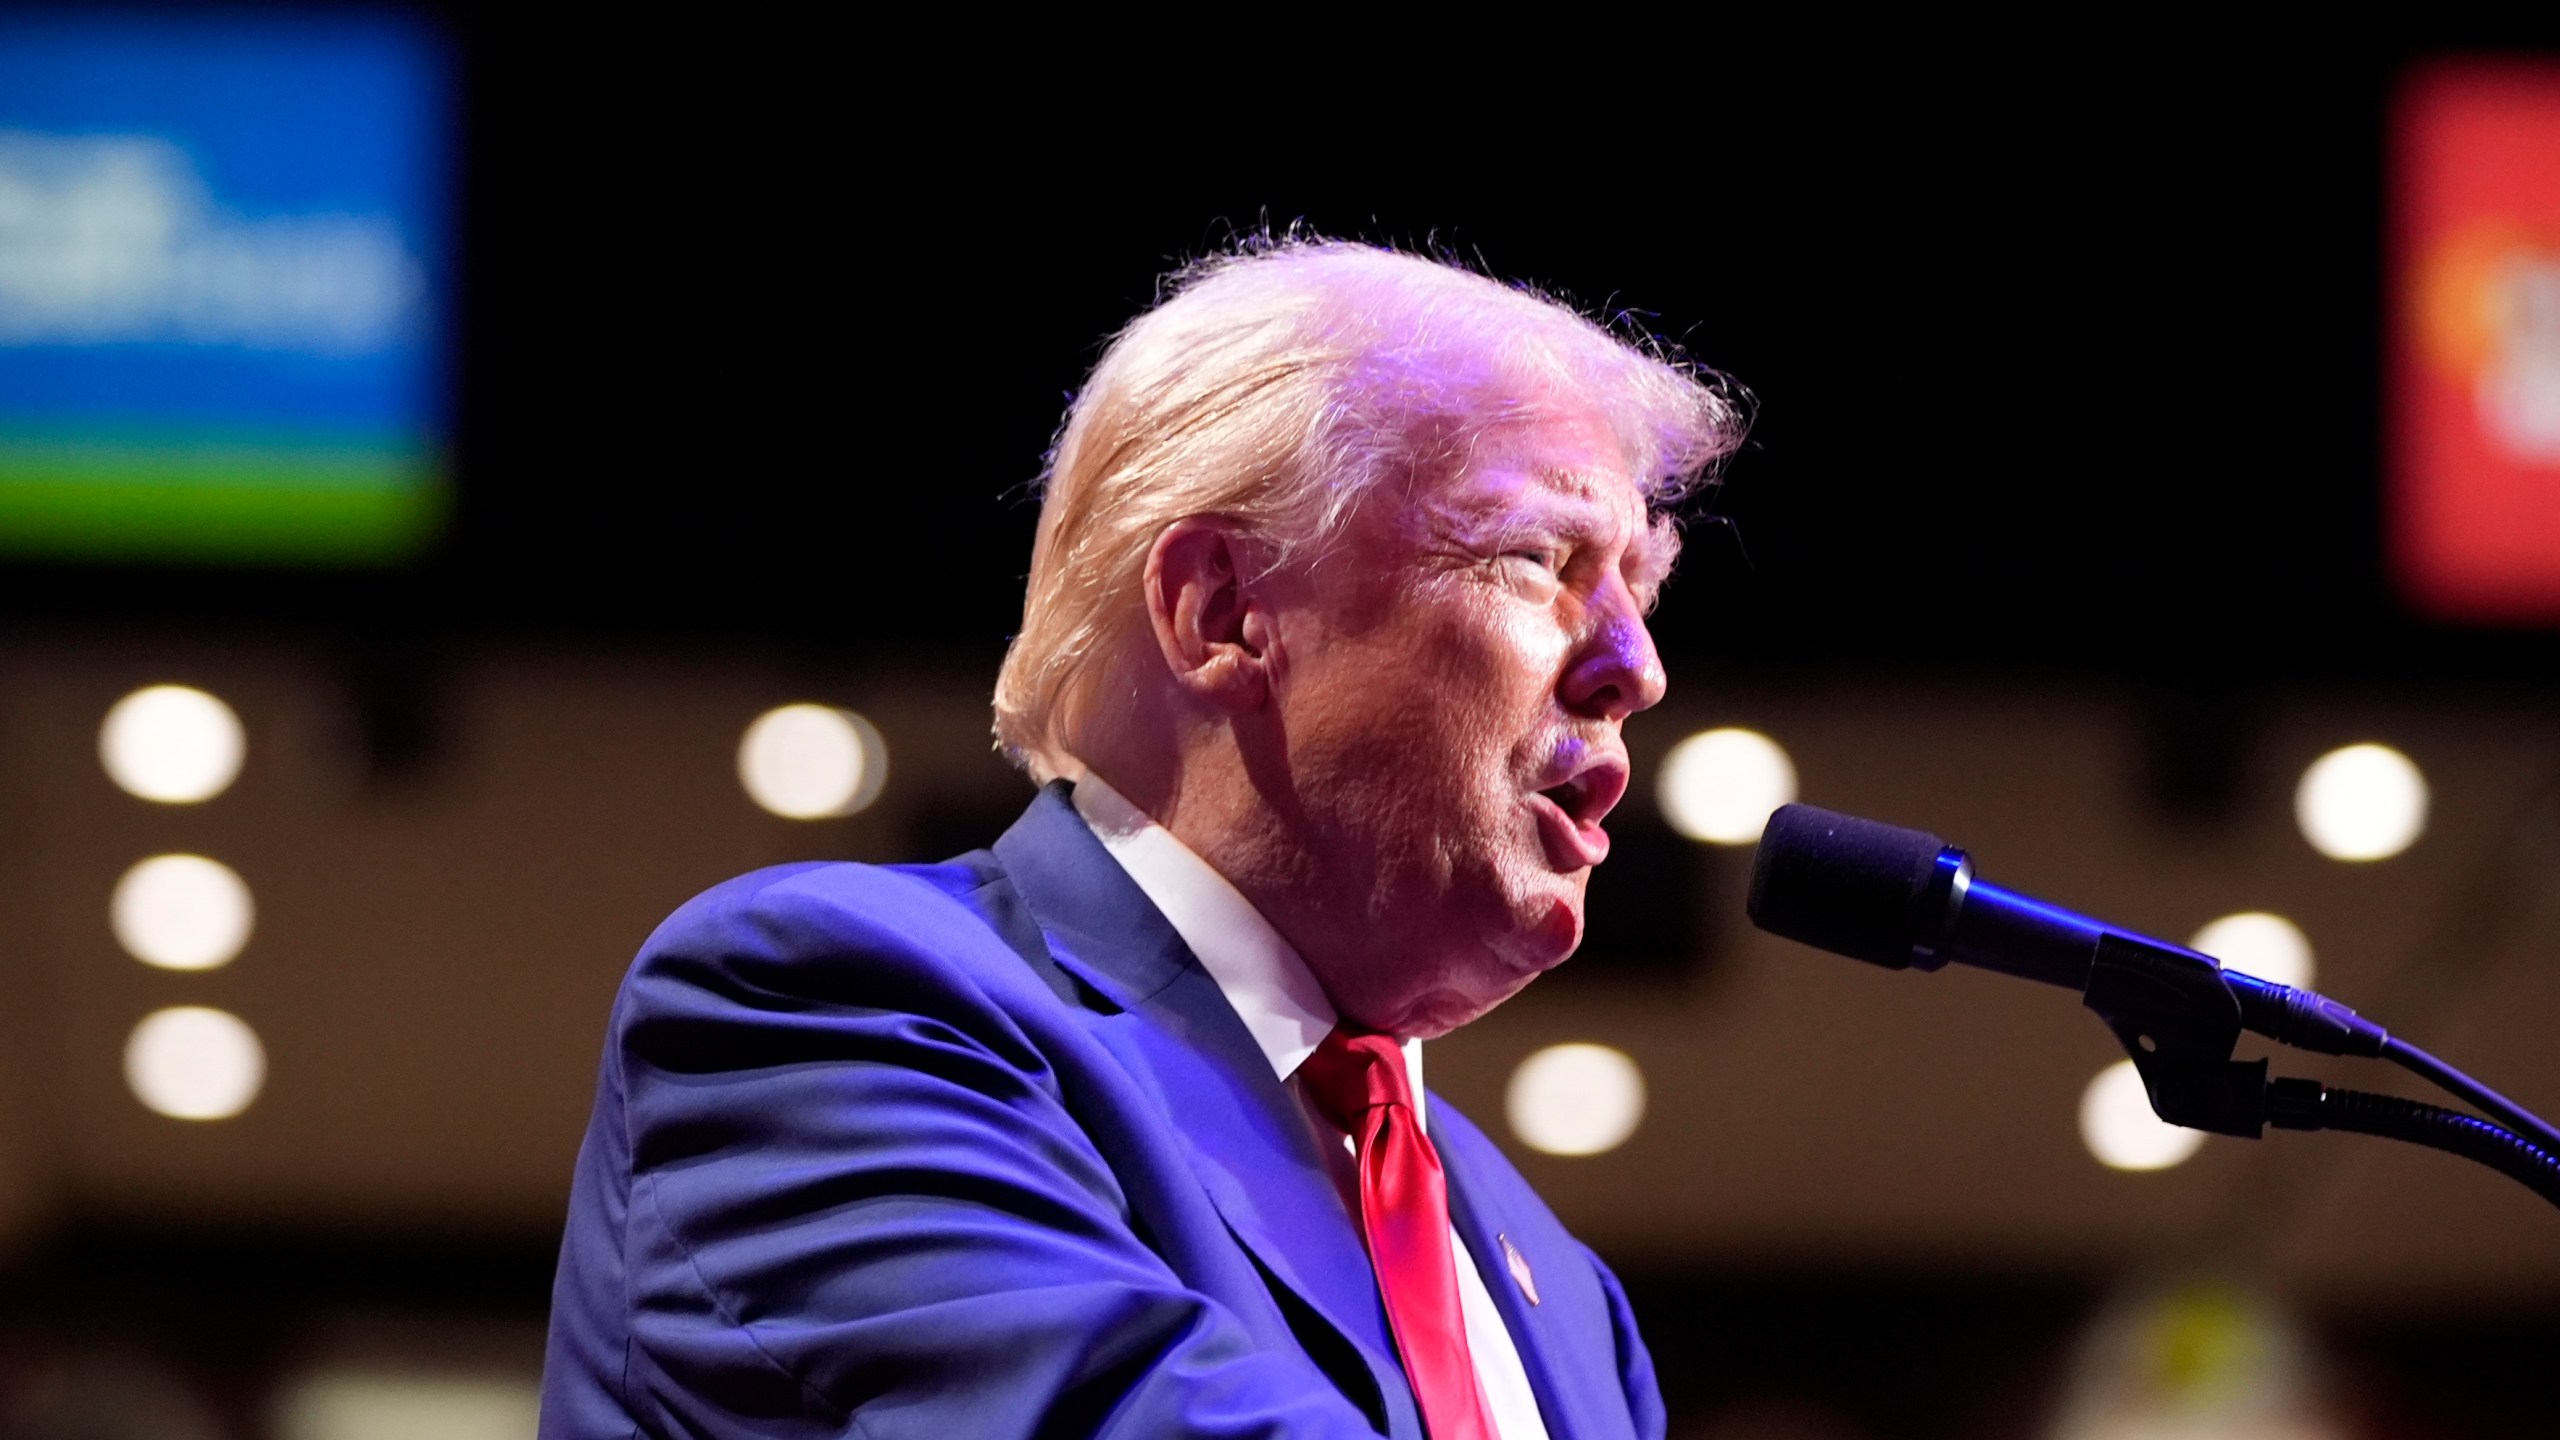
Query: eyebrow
(1655, 553)
(1561, 504)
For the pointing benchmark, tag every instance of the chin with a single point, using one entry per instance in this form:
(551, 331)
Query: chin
(1527, 920)
(1542, 928)
(1436, 1014)
(1539, 937)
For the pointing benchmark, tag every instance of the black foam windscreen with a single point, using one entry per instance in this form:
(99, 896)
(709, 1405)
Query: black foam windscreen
(1836, 882)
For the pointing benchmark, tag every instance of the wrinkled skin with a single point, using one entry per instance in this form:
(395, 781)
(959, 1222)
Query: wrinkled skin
(1363, 741)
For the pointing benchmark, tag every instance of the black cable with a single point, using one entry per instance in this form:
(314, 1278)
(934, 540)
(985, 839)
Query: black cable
(2294, 1104)
(2501, 1109)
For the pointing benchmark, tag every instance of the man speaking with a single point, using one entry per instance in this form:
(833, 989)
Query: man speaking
(1118, 1128)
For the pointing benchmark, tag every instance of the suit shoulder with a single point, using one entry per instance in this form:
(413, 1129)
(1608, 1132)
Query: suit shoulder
(828, 931)
(844, 893)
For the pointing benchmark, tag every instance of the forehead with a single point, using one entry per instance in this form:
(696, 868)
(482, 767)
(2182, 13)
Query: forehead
(1565, 472)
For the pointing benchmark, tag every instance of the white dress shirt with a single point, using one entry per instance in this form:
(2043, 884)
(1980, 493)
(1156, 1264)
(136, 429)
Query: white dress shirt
(1286, 1012)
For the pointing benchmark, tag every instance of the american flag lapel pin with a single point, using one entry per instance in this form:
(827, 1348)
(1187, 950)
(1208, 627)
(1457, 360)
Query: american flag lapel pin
(1519, 1267)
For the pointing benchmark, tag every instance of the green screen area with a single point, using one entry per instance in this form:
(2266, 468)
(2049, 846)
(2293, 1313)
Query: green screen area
(218, 501)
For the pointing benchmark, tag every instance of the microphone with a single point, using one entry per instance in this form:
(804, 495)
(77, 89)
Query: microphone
(1907, 900)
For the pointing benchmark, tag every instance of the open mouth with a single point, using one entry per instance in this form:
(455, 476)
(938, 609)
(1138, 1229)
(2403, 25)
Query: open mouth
(1571, 796)
(1589, 794)
(1576, 805)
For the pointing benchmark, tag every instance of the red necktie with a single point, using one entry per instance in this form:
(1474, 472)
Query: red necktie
(1359, 1082)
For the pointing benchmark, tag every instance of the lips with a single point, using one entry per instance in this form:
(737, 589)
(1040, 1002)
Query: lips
(1571, 807)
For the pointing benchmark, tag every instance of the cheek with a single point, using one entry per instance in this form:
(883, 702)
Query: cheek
(1434, 712)
(1489, 658)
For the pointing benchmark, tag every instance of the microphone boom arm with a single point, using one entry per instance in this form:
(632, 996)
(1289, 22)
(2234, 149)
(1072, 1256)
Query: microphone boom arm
(1907, 900)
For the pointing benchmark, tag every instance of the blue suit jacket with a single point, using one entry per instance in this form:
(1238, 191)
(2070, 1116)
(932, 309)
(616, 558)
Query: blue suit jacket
(979, 1150)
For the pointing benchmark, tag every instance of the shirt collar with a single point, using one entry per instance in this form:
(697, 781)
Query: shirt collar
(1262, 975)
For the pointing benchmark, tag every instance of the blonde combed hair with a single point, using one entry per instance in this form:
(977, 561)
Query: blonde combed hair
(1278, 386)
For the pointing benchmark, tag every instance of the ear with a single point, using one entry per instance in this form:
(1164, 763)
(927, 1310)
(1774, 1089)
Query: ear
(1213, 635)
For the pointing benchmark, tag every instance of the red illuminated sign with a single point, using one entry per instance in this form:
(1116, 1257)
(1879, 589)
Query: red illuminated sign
(2475, 383)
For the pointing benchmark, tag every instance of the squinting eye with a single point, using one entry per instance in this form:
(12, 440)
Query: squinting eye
(1543, 559)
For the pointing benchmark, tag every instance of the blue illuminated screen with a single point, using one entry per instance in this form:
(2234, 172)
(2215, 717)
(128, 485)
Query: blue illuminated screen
(224, 271)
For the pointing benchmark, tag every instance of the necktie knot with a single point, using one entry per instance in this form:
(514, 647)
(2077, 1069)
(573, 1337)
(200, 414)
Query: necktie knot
(1353, 1073)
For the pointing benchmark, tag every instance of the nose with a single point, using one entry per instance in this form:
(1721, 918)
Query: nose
(1615, 672)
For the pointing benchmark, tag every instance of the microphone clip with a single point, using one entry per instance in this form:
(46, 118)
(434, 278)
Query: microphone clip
(2174, 1015)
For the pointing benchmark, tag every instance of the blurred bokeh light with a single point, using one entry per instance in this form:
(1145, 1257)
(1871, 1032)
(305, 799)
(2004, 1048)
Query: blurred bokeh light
(375, 1405)
(2361, 802)
(172, 743)
(193, 1062)
(812, 762)
(2120, 1129)
(2255, 942)
(1577, 1099)
(2198, 1358)
(1720, 785)
(181, 912)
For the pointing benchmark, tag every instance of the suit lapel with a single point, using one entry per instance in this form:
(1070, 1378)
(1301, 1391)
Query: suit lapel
(1568, 1312)
(1246, 1139)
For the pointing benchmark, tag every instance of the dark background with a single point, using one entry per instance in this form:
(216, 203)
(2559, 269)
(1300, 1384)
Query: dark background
(2066, 344)
(2066, 341)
